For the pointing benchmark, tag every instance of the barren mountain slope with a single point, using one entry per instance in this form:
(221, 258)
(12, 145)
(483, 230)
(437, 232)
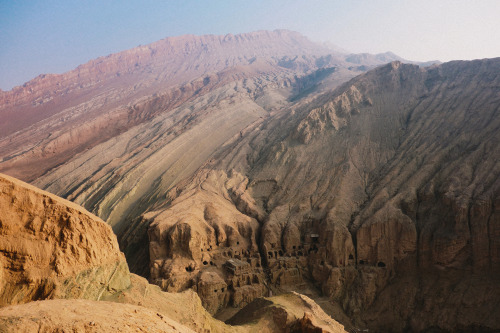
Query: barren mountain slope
(385, 193)
(53, 117)
(118, 133)
(163, 64)
(116, 143)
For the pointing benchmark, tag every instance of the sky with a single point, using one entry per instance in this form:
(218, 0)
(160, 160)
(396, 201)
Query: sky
(55, 36)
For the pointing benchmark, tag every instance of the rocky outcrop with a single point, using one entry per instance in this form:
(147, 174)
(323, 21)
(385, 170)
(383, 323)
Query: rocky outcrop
(62, 257)
(52, 248)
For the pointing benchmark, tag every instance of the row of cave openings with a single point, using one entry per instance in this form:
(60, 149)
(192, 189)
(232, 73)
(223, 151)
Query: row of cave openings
(275, 254)
(314, 249)
(229, 254)
(208, 249)
(299, 253)
(205, 263)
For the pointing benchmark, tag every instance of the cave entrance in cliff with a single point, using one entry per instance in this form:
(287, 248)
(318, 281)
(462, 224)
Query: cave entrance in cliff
(380, 264)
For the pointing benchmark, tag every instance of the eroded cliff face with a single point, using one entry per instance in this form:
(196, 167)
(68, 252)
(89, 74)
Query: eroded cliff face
(384, 193)
(51, 248)
(208, 245)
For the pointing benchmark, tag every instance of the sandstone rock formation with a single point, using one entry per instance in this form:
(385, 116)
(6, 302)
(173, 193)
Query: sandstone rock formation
(52, 248)
(208, 245)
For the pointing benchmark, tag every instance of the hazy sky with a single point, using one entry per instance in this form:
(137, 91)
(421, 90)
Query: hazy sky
(54, 36)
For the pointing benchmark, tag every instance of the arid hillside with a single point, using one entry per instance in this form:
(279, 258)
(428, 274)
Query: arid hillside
(53, 117)
(257, 164)
(114, 129)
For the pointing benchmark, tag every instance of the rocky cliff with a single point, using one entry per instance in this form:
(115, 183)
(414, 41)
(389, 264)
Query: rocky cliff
(52, 248)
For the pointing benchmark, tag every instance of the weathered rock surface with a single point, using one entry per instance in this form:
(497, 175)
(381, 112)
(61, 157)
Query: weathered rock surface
(209, 245)
(383, 192)
(52, 248)
(117, 134)
(185, 307)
